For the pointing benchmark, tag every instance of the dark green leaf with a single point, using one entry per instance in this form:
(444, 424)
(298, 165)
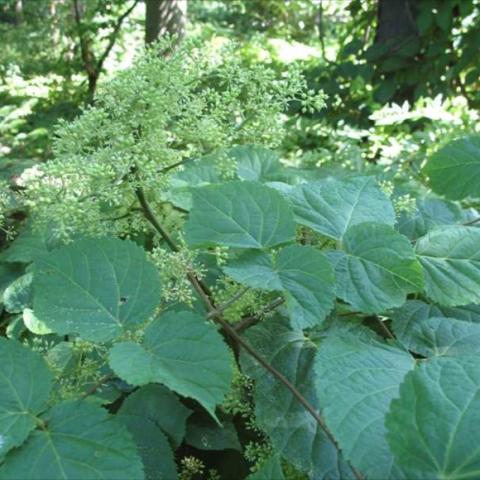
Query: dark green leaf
(270, 470)
(255, 269)
(425, 19)
(430, 213)
(294, 433)
(356, 380)
(433, 426)
(161, 407)
(302, 272)
(18, 294)
(432, 330)
(454, 170)
(96, 288)
(30, 245)
(443, 336)
(25, 384)
(377, 269)
(148, 413)
(331, 206)
(450, 257)
(414, 311)
(257, 164)
(78, 441)
(262, 218)
(153, 447)
(178, 350)
(205, 434)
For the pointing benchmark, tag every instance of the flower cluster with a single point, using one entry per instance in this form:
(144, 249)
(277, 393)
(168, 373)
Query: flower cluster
(405, 203)
(249, 302)
(172, 267)
(160, 113)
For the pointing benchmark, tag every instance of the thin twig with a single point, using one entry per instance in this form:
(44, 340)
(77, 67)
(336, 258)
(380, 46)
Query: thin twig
(253, 319)
(472, 222)
(385, 329)
(321, 33)
(220, 309)
(150, 216)
(230, 331)
(85, 51)
(175, 165)
(114, 34)
(348, 314)
(198, 285)
(97, 385)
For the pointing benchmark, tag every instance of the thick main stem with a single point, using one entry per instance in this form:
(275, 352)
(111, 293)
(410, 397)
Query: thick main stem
(216, 315)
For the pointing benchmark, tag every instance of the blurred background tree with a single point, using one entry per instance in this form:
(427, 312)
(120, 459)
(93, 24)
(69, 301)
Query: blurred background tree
(165, 17)
(364, 54)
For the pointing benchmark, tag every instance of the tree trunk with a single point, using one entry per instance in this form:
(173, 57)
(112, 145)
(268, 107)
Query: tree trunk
(396, 27)
(86, 51)
(18, 12)
(395, 20)
(165, 17)
(92, 86)
(55, 22)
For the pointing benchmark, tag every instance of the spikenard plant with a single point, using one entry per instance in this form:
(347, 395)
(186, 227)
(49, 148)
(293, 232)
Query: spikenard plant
(178, 278)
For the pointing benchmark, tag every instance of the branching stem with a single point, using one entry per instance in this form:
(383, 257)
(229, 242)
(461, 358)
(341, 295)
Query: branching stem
(253, 319)
(220, 309)
(472, 222)
(385, 329)
(150, 216)
(98, 385)
(216, 315)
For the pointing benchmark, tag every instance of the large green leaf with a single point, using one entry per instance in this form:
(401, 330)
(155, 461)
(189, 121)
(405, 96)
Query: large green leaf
(270, 470)
(18, 294)
(183, 352)
(197, 173)
(153, 447)
(432, 330)
(450, 257)
(257, 163)
(356, 380)
(294, 433)
(79, 441)
(413, 311)
(25, 384)
(33, 324)
(331, 206)
(454, 170)
(255, 269)
(239, 214)
(205, 434)
(160, 406)
(146, 413)
(309, 284)
(96, 288)
(377, 268)
(433, 426)
(30, 245)
(467, 313)
(302, 272)
(410, 313)
(9, 272)
(430, 213)
(443, 336)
